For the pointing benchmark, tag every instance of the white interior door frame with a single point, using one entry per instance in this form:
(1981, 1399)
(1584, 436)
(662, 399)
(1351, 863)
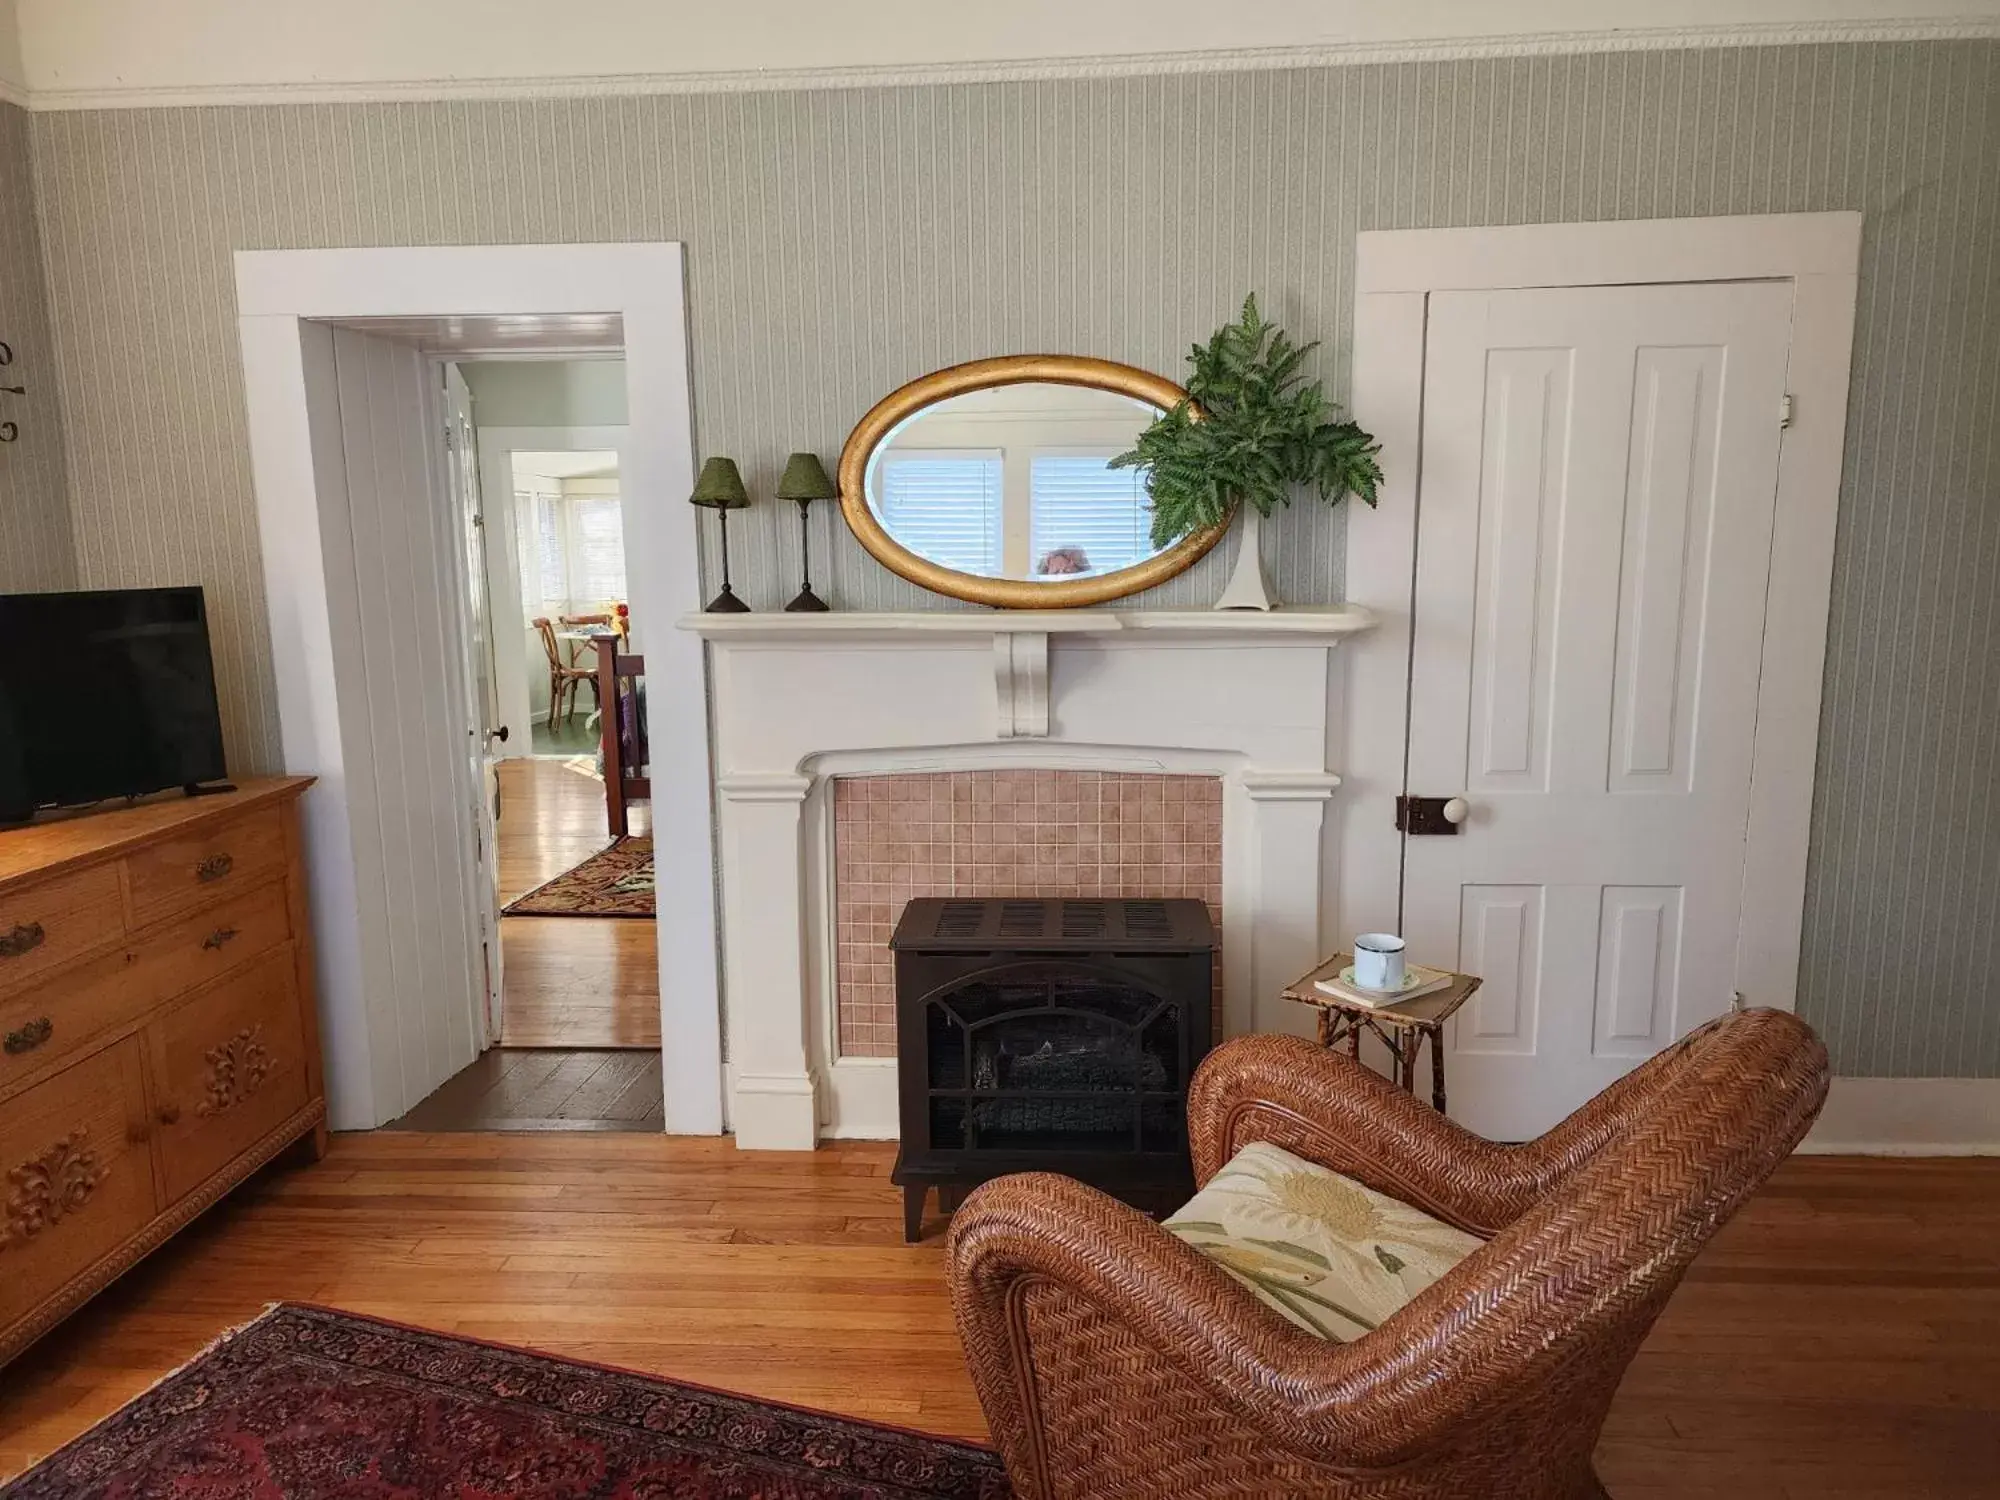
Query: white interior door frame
(1395, 273)
(497, 447)
(278, 293)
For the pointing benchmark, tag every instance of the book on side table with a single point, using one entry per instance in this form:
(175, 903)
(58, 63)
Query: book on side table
(1418, 981)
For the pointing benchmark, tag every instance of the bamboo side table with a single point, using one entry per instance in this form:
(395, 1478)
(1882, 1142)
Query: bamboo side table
(1400, 1028)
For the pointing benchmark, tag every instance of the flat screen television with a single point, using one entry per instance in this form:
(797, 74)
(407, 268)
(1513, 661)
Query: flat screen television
(105, 693)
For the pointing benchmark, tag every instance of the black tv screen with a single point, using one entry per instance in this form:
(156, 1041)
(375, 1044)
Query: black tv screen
(107, 693)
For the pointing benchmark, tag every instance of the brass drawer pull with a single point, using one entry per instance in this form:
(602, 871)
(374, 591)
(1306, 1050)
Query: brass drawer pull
(218, 937)
(213, 868)
(30, 1036)
(25, 937)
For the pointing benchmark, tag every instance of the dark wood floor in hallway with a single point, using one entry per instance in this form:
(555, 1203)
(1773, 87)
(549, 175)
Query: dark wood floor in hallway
(1839, 1341)
(548, 1088)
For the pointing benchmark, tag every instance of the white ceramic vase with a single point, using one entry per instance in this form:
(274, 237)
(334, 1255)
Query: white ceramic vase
(1248, 588)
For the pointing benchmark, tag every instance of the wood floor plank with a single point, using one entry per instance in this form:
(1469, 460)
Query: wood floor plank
(568, 981)
(1792, 1364)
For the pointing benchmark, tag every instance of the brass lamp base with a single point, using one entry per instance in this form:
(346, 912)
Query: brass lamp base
(726, 603)
(807, 603)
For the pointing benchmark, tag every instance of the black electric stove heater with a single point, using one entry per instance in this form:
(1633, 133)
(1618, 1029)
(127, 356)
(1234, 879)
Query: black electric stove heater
(1049, 1036)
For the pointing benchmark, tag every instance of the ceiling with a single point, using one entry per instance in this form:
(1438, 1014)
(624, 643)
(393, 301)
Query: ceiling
(579, 465)
(555, 333)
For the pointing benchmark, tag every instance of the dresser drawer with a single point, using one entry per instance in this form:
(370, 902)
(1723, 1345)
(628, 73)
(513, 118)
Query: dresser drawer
(78, 1182)
(46, 1022)
(49, 924)
(211, 942)
(228, 1067)
(198, 867)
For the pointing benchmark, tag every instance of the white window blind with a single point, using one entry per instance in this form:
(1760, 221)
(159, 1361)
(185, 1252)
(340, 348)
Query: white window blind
(554, 567)
(1079, 504)
(597, 549)
(945, 506)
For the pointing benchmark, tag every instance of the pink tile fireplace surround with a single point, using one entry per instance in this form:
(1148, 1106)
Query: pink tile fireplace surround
(1003, 833)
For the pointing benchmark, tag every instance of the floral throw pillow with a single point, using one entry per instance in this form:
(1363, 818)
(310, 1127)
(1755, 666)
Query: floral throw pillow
(1334, 1257)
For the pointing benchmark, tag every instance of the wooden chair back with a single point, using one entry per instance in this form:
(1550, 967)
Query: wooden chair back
(548, 634)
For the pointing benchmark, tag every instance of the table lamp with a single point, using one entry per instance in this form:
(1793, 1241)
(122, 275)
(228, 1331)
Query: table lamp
(720, 488)
(805, 481)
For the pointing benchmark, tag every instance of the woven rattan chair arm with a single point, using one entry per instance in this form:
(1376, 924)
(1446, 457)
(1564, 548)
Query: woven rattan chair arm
(1329, 1109)
(1099, 1260)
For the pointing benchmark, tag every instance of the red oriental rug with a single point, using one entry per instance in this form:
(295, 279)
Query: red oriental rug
(614, 882)
(309, 1404)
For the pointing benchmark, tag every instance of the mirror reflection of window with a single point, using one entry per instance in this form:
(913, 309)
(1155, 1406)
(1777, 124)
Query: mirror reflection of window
(1085, 517)
(944, 505)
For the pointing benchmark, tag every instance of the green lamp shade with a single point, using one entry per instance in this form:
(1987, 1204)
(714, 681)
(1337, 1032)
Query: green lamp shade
(805, 479)
(720, 487)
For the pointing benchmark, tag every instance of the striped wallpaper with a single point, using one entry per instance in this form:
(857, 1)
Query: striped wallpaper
(842, 241)
(35, 550)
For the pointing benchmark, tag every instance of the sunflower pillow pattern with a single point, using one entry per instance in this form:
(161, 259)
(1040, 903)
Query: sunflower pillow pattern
(1333, 1256)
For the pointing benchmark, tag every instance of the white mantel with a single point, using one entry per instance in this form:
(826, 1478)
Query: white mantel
(799, 699)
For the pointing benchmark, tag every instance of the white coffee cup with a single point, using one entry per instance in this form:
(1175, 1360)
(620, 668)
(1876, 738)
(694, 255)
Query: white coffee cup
(1378, 961)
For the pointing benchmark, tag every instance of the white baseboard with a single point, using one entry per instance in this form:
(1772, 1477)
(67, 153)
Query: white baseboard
(1908, 1117)
(1863, 1116)
(860, 1099)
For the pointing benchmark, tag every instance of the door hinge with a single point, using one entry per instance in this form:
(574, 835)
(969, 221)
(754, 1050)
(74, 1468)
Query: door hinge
(1785, 411)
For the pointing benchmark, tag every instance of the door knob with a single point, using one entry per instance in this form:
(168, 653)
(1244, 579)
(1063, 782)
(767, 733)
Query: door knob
(499, 734)
(1431, 815)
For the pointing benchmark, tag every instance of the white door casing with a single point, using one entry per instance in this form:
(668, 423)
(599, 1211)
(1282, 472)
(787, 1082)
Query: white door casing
(517, 655)
(1406, 281)
(1594, 533)
(285, 299)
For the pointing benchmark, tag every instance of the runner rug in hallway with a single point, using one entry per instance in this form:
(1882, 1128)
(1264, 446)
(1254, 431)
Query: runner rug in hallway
(311, 1404)
(614, 882)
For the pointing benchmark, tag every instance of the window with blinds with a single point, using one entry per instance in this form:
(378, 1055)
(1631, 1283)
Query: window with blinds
(597, 549)
(572, 551)
(944, 506)
(1086, 518)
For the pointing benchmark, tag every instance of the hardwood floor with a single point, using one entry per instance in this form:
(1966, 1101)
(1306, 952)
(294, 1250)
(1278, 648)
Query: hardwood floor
(1839, 1341)
(547, 1089)
(568, 981)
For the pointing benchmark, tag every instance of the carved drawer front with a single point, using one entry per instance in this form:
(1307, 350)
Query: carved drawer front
(228, 1068)
(200, 866)
(44, 925)
(74, 1183)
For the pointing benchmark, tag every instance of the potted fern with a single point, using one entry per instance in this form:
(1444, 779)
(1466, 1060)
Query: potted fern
(1250, 431)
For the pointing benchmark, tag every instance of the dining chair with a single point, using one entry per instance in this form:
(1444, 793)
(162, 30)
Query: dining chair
(564, 675)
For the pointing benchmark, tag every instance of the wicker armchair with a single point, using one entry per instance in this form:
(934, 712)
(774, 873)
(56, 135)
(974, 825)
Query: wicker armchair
(1114, 1360)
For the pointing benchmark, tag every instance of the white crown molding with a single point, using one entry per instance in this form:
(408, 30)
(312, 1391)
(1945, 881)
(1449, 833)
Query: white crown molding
(1140, 64)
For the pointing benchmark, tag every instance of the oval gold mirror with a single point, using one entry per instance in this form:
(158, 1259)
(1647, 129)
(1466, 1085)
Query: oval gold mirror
(991, 482)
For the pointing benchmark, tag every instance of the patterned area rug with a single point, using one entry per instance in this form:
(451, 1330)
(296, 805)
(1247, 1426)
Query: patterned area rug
(310, 1404)
(616, 882)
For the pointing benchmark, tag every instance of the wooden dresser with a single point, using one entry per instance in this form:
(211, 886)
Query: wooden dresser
(158, 1039)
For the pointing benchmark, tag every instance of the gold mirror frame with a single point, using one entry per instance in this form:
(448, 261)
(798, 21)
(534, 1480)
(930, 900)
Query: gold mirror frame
(986, 374)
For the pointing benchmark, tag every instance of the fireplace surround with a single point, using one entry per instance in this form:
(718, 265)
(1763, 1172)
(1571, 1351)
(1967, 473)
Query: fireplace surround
(1250, 700)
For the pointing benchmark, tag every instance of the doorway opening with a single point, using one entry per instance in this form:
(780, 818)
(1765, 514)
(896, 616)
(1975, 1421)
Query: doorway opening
(498, 982)
(575, 1005)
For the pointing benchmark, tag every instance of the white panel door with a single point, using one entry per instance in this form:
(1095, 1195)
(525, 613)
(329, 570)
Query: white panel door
(1594, 547)
(404, 711)
(481, 676)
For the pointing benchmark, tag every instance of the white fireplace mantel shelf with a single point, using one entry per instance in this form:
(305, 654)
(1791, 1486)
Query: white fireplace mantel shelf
(802, 700)
(1325, 621)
